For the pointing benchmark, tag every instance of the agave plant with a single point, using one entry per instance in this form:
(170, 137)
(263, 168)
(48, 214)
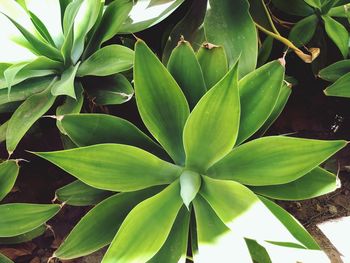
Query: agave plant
(49, 48)
(203, 193)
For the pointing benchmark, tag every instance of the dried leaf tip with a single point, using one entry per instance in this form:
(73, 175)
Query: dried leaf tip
(181, 41)
(209, 46)
(282, 61)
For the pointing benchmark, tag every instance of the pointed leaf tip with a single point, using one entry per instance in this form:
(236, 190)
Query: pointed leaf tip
(190, 183)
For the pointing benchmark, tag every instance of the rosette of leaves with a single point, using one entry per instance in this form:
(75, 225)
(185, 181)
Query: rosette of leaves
(20, 222)
(203, 192)
(53, 48)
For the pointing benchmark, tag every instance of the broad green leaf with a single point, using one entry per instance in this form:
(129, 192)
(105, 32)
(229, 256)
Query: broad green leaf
(265, 51)
(298, 8)
(242, 210)
(240, 41)
(23, 237)
(184, 67)
(90, 129)
(257, 252)
(40, 26)
(112, 20)
(175, 247)
(213, 62)
(274, 160)
(3, 129)
(19, 218)
(25, 89)
(4, 259)
(340, 11)
(295, 228)
(147, 13)
(136, 243)
(315, 183)
(283, 96)
(99, 226)
(215, 240)
(108, 60)
(303, 31)
(116, 164)
(335, 71)
(160, 101)
(190, 27)
(190, 183)
(338, 33)
(8, 174)
(314, 3)
(79, 194)
(9, 107)
(340, 88)
(65, 85)
(11, 72)
(116, 90)
(258, 93)
(26, 115)
(215, 121)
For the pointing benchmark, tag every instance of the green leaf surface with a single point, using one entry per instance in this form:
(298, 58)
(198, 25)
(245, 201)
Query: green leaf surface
(175, 247)
(99, 226)
(160, 101)
(147, 13)
(136, 243)
(241, 210)
(298, 8)
(303, 31)
(23, 237)
(184, 67)
(116, 165)
(258, 93)
(79, 194)
(19, 218)
(274, 160)
(294, 227)
(108, 60)
(3, 129)
(265, 51)
(215, 121)
(8, 174)
(315, 183)
(340, 11)
(338, 33)
(213, 62)
(40, 26)
(4, 259)
(335, 71)
(314, 3)
(340, 88)
(26, 115)
(65, 85)
(240, 41)
(257, 252)
(90, 129)
(190, 183)
(215, 240)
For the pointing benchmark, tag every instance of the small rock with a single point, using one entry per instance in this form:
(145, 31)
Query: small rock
(332, 209)
(318, 208)
(298, 205)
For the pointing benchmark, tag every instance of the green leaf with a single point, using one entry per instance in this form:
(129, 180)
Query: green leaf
(303, 31)
(338, 33)
(294, 227)
(8, 174)
(3, 129)
(79, 194)
(90, 129)
(240, 41)
(160, 101)
(65, 85)
(213, 62)
(275, 159)
(241, 209)
(184, 67)
(18, 219)
(298, 8)
(175, 247)
(215, 121)
(116, 165)
(314, 3)
(257, 252)
(216, 240)
(40, 26)
(258, 92)
(190, 183)
(340, 88)
(26, 115)
(108, 60)
(99, 226)
(315, 183)
(261, 15)
(147, 13)
(136, 243)
(340, 11)
(23, 237)
(4, 259)
(113, 17)
(265, 51)
(11, 72)
(335, 71)
(116, 90)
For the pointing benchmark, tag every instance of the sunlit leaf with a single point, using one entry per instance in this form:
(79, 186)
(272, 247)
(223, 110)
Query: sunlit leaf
(335, 71)
(8, 174)
(340, 88)
(28, 236)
